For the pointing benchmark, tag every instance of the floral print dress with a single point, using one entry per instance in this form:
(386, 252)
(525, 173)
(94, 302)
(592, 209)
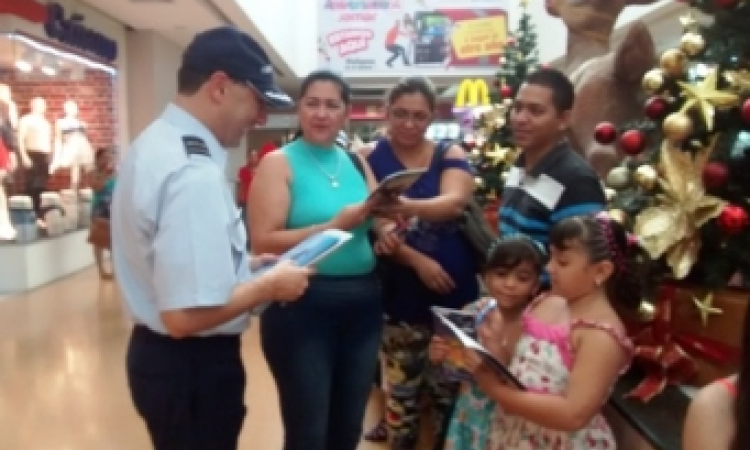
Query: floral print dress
(542, 361)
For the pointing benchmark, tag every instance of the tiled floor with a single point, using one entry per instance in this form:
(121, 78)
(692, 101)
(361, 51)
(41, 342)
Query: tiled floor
(62, 381)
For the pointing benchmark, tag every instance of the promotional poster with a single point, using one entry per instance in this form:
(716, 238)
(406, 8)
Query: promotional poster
(403, 36)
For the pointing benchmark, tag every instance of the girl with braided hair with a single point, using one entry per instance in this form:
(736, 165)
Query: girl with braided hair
(572, 346)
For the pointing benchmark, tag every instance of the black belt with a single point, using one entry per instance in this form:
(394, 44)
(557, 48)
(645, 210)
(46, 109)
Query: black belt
(146, 334)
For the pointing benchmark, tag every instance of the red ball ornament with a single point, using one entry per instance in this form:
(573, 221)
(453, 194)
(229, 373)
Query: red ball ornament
(726, 3)
(732, 219)
(605, 133)
(745, 111)
(656, 108)
(506, 91)
(715, 175)
(633, 142)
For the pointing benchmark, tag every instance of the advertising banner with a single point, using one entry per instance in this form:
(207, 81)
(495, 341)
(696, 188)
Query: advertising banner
(410, 36)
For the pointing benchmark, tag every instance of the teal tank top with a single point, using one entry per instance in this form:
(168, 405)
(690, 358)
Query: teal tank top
(314, 200)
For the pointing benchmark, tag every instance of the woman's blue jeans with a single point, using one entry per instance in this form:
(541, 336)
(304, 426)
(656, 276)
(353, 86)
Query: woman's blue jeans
(322, 351)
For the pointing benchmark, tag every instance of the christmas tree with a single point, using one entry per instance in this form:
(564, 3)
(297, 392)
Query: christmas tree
(684, 189)
(494, 150)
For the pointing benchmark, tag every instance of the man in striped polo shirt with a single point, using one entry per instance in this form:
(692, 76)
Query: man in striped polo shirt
(550, 180)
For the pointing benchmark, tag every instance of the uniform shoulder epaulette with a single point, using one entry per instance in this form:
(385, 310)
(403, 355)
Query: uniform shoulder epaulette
(195, 146)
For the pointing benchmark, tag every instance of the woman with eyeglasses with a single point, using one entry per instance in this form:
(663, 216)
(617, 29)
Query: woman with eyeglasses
(434, 267)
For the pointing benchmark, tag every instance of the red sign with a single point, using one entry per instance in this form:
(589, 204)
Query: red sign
(25, 9)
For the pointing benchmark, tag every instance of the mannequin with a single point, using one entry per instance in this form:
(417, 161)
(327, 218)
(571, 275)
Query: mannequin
(34, 147)
(8, 124)
(72, 147)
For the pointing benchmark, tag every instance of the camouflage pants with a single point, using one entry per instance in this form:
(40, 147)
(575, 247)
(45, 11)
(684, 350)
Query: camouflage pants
(409, 374)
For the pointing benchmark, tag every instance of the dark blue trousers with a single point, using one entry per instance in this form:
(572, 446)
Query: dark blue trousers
(322, 351)
(190, 392)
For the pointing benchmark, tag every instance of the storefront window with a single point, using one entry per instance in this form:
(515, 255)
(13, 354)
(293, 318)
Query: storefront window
(57, 109)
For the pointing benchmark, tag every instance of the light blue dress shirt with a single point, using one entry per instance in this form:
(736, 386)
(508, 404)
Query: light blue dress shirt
(178, 241)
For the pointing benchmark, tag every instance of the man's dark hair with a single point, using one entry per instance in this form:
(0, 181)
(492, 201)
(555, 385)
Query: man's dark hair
(190, 80)
(563, 94)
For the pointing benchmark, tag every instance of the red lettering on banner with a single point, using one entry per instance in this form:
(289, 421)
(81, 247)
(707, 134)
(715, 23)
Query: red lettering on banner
(25, 9)
(357, 17)
(349, 41)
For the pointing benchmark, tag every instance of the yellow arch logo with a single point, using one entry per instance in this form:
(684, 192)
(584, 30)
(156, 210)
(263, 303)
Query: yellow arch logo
(472, 93)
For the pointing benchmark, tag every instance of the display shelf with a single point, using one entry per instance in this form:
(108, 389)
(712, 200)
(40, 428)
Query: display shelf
(30, 265)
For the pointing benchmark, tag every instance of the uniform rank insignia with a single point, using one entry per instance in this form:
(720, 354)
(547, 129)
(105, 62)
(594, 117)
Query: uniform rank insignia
(195, 146)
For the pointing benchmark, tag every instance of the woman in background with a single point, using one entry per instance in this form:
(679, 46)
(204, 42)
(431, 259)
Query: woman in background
(103, 185)
(719, 415)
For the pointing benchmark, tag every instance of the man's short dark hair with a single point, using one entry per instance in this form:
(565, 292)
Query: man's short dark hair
(189, 80)
(563, 93)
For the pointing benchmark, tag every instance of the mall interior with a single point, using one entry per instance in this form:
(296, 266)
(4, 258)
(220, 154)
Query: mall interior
(63, 331)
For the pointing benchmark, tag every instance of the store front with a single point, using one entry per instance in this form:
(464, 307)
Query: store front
(60, 101)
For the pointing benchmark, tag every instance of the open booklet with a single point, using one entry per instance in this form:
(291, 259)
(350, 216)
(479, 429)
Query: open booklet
(459, 328)
(311, 250)
(393, 186)
(307, 253)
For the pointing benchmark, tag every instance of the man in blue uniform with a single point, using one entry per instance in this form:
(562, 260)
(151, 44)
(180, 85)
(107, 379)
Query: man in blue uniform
(179, 248)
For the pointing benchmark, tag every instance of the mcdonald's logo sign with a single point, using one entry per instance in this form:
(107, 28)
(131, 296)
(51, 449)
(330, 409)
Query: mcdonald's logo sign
(472, 93)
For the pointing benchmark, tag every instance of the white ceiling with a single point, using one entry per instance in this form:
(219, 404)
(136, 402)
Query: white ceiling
(179, 20)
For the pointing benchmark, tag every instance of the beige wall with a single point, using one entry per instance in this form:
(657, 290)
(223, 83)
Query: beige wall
(152, 81)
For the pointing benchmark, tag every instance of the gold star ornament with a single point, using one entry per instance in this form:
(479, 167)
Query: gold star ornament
(739, 80)
(706, 307)
(707, 98)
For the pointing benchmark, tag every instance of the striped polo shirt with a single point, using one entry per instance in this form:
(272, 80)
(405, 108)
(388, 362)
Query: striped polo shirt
(561, 185)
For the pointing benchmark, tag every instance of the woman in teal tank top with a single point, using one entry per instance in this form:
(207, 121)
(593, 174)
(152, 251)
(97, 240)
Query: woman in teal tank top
(322, 349)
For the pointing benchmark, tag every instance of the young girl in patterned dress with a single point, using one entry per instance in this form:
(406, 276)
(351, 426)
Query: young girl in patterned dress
(511, 276)
(572, 346)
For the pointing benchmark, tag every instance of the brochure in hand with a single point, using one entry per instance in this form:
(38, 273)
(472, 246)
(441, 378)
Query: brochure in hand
(307, 253)
(393, 186)
(313, 249)
(459, 328)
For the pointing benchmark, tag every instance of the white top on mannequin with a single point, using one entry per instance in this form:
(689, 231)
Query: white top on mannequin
(6, 97)
(34, 130)
(70, 123)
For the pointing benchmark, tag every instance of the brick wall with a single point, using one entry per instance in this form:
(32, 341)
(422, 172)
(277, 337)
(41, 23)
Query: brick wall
(94, 92)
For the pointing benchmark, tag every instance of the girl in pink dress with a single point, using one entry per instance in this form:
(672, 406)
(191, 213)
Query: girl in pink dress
(573, 346)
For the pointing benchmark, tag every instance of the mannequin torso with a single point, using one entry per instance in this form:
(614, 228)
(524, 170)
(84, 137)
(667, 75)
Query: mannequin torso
(35, 133)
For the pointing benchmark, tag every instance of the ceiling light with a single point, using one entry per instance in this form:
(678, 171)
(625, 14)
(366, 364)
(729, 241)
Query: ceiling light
(59, 53)
(48, 66)
(23, 66)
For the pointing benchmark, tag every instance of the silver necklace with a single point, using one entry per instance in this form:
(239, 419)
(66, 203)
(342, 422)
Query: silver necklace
(331, 177)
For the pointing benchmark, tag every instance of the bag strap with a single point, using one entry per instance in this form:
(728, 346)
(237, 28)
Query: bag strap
(357, 163)
(441, 149)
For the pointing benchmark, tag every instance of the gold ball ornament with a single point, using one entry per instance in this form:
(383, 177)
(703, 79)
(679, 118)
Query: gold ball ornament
(692, 43)
(618, 178)
(479, 182)
(653, 81)
(674, 62)
(677, 127)
(646, 310)
(646, 177)
(618, 216)
(610, 194)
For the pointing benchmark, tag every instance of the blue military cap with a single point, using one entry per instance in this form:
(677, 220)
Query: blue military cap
(235, 53)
